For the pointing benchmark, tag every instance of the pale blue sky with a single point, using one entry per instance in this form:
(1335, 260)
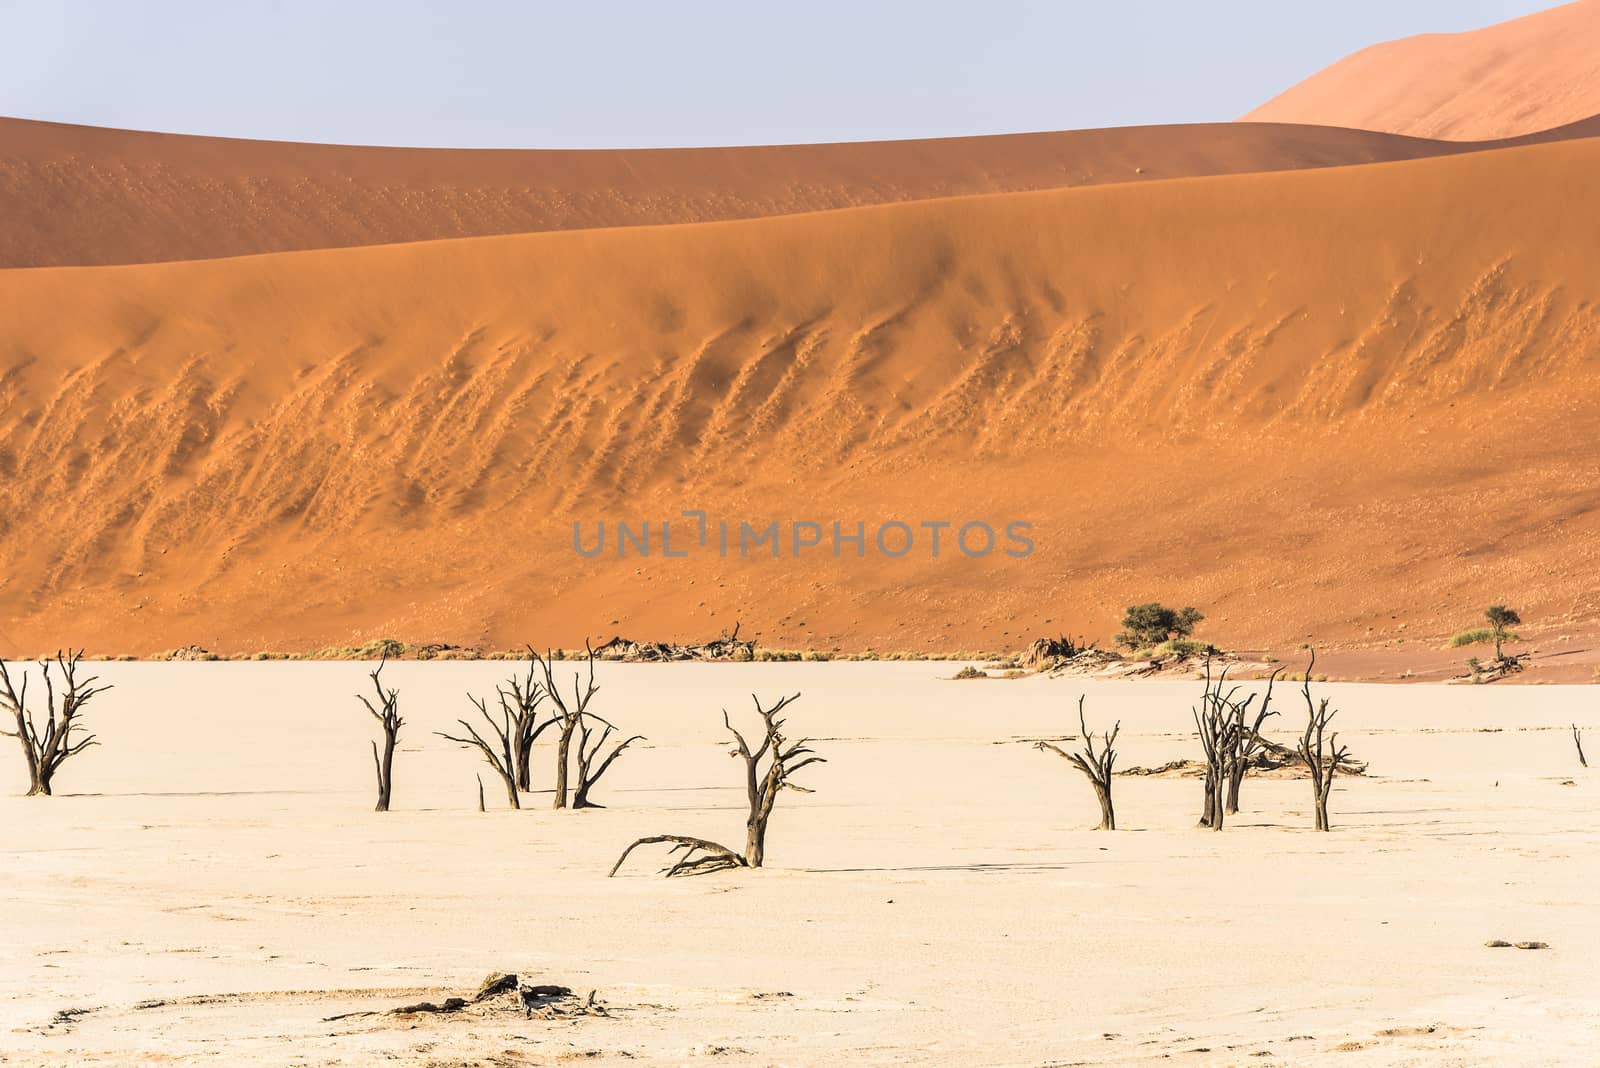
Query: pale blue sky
(609, 73)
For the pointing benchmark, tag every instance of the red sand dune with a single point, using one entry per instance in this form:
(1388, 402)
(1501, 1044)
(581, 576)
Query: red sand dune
(1336, 404)
(75, 195)
(1512, 78)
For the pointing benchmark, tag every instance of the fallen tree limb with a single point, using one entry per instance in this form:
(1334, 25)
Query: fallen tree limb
(716, 857)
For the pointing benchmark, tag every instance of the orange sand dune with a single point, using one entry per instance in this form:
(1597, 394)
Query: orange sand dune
(1343, 404)
(1529, 74)
(75, 195)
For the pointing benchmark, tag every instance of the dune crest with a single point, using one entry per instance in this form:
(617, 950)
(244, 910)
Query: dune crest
(76, 195)
(1243, 401)
(1512, 78)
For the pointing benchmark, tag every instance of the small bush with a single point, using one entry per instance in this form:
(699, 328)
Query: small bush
(1475, 636)
(970, 672)
(1144, 625)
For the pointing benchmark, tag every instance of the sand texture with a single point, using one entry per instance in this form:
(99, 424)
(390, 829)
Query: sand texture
(1346, 404)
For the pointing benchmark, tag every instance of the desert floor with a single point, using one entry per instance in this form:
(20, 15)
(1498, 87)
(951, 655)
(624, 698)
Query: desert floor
(211, 884)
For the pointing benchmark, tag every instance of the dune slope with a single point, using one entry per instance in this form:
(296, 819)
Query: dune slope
(1335, 403)
(74, 195)
(1516, 77)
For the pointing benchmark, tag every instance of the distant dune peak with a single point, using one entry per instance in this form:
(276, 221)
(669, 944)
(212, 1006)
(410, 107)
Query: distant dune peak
(1518, 77)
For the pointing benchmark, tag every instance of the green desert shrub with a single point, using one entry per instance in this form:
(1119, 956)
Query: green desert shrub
(1501, 619)
(1144, 625)
(1475, 636)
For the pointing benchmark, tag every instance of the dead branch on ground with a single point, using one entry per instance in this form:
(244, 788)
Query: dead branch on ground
(700, 855)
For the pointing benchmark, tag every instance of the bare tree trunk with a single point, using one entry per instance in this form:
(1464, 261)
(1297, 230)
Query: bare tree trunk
(1229, 742)
(1577, 740)
(1108, 814)
(755, 832)
(1323, 760)
(761, 790)
(387, 713)
(563, 750)
(497, 754)
(522, 697)
(1095, 765)
(569, 713)
(1235, 778)
(524, 756)
(46, 749)
(1248, 742)
(385, 772)
(590, 746)
(1213, 721)
(1211, 814)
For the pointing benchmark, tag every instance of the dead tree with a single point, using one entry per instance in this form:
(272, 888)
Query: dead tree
(1095, 766)
(1249, 747)
(589, 751)
(522, 697)
(499, 754)
(1323, 757)
(1577, 740)
(63, 736)
(568, 714)
(387, 713)
(1219, 720)
(1231, 741)
(783, 757)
